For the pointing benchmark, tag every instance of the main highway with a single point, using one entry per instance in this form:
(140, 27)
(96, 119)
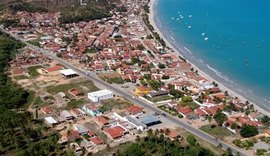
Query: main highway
(93, 77)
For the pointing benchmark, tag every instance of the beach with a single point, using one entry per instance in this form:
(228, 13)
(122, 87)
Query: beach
(231, 91)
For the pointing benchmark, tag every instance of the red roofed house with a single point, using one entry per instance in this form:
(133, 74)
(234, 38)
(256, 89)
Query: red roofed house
(91, 134)
(97, 141)
(52, 69)
(200, 112)
(115, 132)
(46, 110)
(135, 110)
(184, 110)
(102, 121)
(171, 133)
(75, 92)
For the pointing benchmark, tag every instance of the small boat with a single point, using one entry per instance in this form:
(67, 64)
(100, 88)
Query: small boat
(206, 38)
(189, 26)
(190, 16)
(203, 34)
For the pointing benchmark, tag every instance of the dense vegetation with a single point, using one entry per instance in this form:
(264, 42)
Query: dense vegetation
(248, 131)
(157, 144)
(82, 13)
(25, 6)
(19, 133)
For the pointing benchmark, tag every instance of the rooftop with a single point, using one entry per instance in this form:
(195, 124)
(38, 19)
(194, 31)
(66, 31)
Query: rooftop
(67, 72)
(100, 92)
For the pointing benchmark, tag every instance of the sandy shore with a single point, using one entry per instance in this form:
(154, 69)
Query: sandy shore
(203, 74)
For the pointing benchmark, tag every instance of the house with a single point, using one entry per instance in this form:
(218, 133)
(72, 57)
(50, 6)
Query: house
(135, 122)
(115, 132)
(52, 69)
(135, 110)
(80, 128)
(184, 111)
(76, 148)
(200, 112)
(69, 73)
(46, 110)
(150, 120)
(100, 95)
(157, 93)
(141, 91)
(102, 121)
(50, 121)
(97, 141)
(77, 113)
(91, 110)
(75, 92)
(87, 145)
(91, 134)
(173, 135)
(66, 115)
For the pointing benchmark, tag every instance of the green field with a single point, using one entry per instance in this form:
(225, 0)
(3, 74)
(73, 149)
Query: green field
(33, 70)
(159, 98)
(216, 131)
(118, 103)
(20, 77)
(65, 87)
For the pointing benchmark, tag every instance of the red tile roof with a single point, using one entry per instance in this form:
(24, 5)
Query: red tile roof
(134, 109)
(102, 120)
(55, 68)
(200, 112)
(115, 132)
(97, 140)
(184, 110)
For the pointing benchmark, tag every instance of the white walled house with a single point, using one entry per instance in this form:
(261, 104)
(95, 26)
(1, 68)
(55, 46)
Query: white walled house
(100, 95)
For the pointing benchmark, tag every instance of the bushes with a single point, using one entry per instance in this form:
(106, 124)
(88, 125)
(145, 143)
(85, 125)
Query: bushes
(248, 131)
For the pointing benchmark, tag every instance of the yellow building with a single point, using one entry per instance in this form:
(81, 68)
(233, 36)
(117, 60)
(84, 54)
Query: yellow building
(141, 91)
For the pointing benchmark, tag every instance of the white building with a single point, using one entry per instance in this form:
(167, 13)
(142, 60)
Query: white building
(100, 95)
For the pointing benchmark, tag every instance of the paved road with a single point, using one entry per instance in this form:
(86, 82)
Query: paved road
(92, 76)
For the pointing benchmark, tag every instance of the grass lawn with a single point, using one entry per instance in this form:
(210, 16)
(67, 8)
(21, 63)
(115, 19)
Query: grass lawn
(38, 102)
(65, 87)
(116, 103)
(109, 151)
(159, 98)
(192, 105)
(33, 70)
(35, 42)
(217, 150)
(216, 131)
(75, 103)
(20, 77)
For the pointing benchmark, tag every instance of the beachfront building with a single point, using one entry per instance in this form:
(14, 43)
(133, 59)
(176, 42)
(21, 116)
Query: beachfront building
(100, 95)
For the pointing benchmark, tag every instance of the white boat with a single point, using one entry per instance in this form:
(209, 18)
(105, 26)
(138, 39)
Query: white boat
(206, 38)
(203, 34)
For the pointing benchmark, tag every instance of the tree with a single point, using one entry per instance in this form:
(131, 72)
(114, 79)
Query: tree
(161, 66)
(228, 152)
(234, 125)
(220, 117)
(191, 140)
(248, 131)
(186, 99)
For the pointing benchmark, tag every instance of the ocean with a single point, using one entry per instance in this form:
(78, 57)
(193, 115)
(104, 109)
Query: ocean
(227, 39)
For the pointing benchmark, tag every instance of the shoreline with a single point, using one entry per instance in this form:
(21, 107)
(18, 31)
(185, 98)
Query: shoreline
(231, 92)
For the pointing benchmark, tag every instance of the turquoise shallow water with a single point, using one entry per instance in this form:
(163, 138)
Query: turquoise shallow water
(228, 39)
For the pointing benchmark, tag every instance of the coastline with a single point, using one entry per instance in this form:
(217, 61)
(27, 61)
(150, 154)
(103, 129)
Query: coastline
(231, 92)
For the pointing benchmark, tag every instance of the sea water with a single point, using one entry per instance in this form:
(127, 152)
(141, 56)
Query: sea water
(227, 39)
